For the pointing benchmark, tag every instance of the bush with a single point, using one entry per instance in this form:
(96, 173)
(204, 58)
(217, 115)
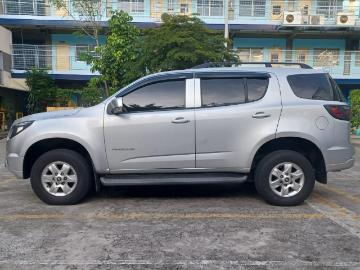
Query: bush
(355, 108)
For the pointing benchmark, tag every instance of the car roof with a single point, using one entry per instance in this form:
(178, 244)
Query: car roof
(278, 71)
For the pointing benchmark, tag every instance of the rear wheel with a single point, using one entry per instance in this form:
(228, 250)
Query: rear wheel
(284, 178)
(61, 177)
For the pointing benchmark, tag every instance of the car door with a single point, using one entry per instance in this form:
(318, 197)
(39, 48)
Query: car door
(236, 113)
(156, 133)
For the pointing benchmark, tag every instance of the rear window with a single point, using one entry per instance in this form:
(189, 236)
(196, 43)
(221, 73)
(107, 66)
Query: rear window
(315, 86)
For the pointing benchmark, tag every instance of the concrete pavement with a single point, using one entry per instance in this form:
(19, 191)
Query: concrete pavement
(181, 227)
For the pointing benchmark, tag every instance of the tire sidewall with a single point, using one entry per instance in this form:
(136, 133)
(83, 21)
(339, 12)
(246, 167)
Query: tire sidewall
(80, 165)
(265, 167)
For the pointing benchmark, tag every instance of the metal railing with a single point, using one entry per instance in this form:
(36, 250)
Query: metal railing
(25, 7)
(69, 58)
(50, 57)
(238, 10)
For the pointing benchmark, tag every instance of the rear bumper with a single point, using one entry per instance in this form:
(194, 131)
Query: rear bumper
(340, 166)
(14, 164)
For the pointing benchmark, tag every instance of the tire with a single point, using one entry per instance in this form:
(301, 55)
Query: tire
(72, 191)
(281, 160)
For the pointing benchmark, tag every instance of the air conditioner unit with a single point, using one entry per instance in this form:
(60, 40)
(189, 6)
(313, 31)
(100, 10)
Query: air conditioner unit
(294, 18)
(317, 19)
(345, 19)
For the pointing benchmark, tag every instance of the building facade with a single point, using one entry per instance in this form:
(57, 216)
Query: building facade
(322, 33)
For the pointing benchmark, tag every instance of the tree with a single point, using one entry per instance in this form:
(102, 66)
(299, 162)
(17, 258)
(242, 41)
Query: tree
(115, 60)
(87, 14)
(41, 87)
(182, 42)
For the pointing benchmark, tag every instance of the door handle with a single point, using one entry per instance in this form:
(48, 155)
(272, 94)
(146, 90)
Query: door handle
(261, 115)
(180, 120)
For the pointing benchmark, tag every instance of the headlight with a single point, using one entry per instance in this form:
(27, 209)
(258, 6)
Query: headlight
(18, 128)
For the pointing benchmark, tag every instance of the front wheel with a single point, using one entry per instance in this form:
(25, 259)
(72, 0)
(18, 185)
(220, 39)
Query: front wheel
(284, 178)
(61, 177)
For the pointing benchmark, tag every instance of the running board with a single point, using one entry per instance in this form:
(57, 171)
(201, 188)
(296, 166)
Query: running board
(171, 179)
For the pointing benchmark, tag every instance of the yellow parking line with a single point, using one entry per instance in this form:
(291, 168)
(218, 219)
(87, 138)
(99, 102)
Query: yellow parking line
(342, 193)
(317, 198)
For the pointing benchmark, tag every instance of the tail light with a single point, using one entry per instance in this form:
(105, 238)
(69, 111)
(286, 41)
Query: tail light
(341, 112)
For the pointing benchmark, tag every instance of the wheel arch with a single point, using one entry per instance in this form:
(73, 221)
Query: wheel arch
(42, 146)
(301, 145)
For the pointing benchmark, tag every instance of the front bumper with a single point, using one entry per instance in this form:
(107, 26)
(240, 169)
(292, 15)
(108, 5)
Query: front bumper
(14, 163)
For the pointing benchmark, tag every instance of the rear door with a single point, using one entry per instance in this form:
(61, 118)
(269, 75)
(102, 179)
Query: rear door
(236, 113)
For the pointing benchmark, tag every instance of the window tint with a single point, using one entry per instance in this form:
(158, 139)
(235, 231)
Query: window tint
(256, 88)
(339, 96)
(164, 95)
(311, 86)
(222, 91)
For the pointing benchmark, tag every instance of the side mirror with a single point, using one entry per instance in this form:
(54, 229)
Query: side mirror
(116, 106)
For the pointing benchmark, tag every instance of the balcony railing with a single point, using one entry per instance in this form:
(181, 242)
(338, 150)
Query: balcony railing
(69, 58)
(237, 11)
(50, 57)
(24, 7)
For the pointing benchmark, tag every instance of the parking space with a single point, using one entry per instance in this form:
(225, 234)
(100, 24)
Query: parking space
(181, 227)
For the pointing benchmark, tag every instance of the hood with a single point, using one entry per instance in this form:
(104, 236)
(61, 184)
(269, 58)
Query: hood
(49, 115)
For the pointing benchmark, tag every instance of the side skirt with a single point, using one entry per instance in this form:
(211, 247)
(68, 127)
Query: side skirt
(171, 179)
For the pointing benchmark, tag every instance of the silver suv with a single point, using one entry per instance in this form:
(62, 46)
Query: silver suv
(282, 128)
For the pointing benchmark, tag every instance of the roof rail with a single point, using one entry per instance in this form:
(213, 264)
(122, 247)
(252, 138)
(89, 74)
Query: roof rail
(234, 64)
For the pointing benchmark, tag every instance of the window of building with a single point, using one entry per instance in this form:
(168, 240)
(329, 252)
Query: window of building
(81, 50)
(357, 59)
(170, 4)
(210, 7)
(276, 10)
(302, 56)
(251, 54)
(162, 95)
(329, 8)
(312, 86)
(184, 8)
(222, 91)
(326, 57)
(254, 8)
(275, 56)
(132, 6)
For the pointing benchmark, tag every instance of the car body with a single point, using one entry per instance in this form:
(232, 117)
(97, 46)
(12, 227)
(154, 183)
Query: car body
(194, 123)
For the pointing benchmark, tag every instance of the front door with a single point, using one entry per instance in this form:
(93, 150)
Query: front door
(237, 114)
(157, 131)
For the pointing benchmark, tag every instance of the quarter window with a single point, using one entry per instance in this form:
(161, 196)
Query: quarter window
(256, 88)
(313, 86)
(163, 95)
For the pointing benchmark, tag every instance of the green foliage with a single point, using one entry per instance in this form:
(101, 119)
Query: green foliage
(91, 94)
(355, 108)
(182, 42)
(41, 87)
(115, 60)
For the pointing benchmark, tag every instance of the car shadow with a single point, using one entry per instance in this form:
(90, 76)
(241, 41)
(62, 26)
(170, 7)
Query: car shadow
(178, 191)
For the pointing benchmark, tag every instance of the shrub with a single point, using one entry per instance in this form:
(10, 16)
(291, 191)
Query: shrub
(355, 108)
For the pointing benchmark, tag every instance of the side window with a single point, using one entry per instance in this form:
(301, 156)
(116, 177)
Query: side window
(256, 88)
(162, 95)
(222, 91)
(311, 86)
